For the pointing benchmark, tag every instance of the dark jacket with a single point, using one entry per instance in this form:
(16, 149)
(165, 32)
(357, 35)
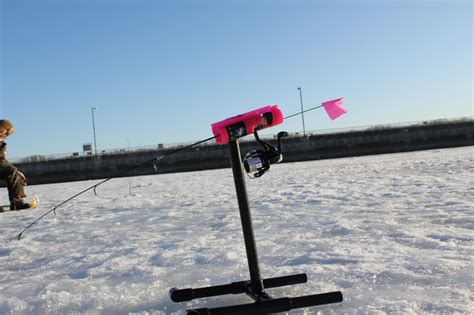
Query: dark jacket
(3, 151)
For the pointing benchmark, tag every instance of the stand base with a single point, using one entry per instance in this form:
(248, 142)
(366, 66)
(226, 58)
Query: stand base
(254, 288)
(263, 304)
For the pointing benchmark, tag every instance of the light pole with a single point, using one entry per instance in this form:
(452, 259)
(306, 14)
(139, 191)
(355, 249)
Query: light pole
(93, 128)
(302, 112)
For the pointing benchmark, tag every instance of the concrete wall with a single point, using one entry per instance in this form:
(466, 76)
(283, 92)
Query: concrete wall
(295, 148)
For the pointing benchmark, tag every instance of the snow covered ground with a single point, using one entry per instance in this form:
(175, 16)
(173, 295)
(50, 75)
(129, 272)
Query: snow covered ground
(394, 233)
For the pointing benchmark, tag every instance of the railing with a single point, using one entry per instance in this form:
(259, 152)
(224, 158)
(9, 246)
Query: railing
(157, 147)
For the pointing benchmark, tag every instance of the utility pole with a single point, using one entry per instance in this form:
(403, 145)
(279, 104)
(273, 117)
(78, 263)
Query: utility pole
(302, 111)
(93, 128)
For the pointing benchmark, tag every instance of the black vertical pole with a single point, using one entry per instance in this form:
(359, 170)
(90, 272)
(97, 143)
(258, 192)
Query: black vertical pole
(245, 217)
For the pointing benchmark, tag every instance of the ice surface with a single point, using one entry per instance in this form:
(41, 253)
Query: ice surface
(394, 232)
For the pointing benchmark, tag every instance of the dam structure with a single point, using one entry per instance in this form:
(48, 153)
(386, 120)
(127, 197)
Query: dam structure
(328, 144)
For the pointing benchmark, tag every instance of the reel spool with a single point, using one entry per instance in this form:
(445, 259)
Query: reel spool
(257, 162)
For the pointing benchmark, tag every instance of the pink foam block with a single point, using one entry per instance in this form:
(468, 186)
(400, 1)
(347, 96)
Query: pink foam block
(334, 109)
(244, 124)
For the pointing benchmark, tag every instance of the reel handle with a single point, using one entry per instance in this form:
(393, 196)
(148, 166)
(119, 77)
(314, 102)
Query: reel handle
(280, 135)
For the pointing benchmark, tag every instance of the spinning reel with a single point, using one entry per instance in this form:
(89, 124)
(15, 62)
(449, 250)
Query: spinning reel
(257, 162)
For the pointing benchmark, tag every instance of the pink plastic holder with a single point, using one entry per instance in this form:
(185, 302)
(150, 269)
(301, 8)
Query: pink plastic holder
(334, 109)
(241, 125)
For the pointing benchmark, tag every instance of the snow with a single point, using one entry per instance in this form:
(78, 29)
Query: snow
(393, 232)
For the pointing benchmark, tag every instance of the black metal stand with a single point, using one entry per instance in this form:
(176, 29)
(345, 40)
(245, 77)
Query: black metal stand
(254, 287)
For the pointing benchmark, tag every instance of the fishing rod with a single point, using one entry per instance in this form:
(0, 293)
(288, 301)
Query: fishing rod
(222, 135)
(94, 187)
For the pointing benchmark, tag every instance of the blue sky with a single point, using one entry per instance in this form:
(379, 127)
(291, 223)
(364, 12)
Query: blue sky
(163, 71)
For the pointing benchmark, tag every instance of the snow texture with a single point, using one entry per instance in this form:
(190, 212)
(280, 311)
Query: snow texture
(394, 233)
